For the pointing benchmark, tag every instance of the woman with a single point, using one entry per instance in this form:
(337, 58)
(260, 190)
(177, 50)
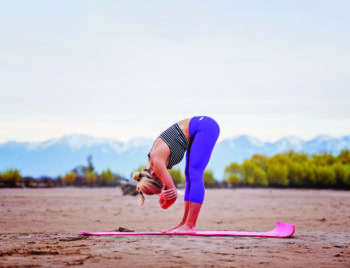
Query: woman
(197, 136)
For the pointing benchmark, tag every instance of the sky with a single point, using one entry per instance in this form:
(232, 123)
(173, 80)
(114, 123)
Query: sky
(129, 69)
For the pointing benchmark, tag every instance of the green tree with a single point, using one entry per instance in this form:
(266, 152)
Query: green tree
(323, 159)
(260, 161)
(310, 177)
(177, 175)
(346, 179)
(208, 178)
(107, 177)
(296, 174)
(90, 177)
(10, 177)
(82, 170)
(326, 176)
(233, 179)
(90, 166)
(293, 169)
(341, 173)
(281, 159)
(277, 170)
(297, 157)
(247, 171)
(277, 174)
(253, 173)
(232, 174)
(344, 157)
(260, 177)
(69, 178)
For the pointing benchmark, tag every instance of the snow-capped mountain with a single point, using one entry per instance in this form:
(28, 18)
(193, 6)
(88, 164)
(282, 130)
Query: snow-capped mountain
(55, 157)
(289, 143)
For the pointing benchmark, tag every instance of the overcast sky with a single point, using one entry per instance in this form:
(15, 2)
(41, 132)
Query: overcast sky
(127, 69)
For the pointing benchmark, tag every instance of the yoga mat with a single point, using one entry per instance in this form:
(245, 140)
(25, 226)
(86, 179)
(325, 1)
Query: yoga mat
(281, 230)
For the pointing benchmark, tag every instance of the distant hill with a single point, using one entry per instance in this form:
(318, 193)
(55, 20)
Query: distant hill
(57, 156)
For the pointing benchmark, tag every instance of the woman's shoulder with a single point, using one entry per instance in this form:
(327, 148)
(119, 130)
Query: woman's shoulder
(160, 149)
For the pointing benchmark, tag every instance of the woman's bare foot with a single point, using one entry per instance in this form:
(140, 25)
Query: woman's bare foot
(167, 231)
(183, 229)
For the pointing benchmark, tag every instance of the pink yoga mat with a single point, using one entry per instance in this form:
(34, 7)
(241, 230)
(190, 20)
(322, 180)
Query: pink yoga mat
(281, 230)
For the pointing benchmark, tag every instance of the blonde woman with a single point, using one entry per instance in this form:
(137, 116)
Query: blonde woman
(197, 136)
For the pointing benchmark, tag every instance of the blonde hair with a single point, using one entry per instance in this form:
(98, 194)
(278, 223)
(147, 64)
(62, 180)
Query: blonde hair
(146, 184)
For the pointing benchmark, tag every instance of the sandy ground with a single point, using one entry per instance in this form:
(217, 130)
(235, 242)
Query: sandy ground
(40, 228)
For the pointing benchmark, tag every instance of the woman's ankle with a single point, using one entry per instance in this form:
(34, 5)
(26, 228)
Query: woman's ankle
(190, 225)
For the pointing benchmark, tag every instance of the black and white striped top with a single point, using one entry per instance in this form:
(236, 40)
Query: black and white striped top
(177, 142)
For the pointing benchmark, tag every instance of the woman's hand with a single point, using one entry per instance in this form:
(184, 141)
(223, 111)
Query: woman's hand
(167, 197)
(168, 194)
(164, 204)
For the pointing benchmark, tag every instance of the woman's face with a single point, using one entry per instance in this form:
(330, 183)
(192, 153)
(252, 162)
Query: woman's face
(151, 172)
(150, 169)
(155, 188)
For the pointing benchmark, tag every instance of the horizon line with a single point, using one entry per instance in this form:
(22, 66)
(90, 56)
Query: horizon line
(132, 139)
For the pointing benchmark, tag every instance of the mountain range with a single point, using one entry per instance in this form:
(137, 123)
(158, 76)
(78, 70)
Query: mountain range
(55, 157)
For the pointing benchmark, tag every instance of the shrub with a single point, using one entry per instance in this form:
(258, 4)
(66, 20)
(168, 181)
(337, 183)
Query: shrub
(10, 177)
(177, 175)
(107, 177)
(233, 174)
(277, 174)
(90, 177)
(208, 178)
(69, 178)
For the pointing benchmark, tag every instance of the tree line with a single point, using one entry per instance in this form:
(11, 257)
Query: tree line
(83, 175)
(292, 169)
(289, 169)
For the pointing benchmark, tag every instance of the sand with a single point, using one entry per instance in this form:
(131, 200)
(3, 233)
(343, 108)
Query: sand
(40, 228)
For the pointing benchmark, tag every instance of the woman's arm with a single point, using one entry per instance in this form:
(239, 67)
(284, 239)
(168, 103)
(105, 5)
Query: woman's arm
(158, 165)
(162, 173)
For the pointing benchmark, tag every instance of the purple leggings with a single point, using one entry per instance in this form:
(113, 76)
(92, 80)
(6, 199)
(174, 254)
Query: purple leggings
(204, 132)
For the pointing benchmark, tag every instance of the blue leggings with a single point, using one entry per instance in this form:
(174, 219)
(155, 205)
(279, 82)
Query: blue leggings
(204, 132)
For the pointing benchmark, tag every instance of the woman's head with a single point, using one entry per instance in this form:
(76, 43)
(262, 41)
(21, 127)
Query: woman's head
(146, 184)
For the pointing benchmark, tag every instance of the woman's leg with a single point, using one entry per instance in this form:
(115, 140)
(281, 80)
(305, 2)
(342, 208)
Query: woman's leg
(187, 174)
(200, 153)
(188, 186)
(201, 150)
(184, 217)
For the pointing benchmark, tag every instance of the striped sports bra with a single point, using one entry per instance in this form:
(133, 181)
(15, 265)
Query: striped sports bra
(177, 142)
